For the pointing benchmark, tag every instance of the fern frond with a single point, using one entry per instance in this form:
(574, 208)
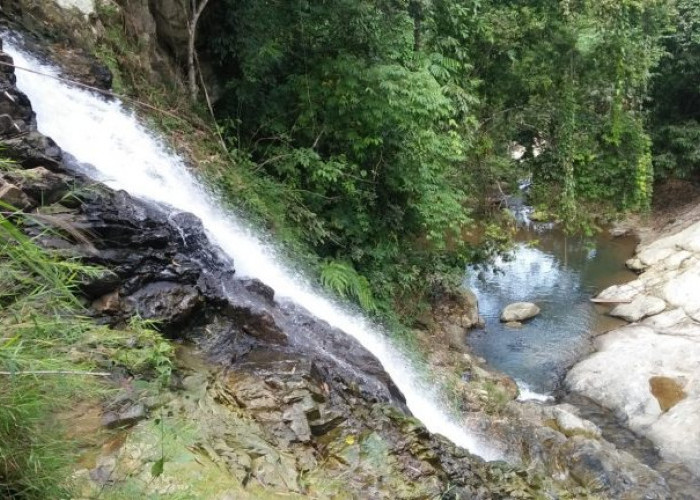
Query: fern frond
(342, 279)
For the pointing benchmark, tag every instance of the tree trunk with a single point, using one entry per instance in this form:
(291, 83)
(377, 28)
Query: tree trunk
(196, 12)
(415, 9)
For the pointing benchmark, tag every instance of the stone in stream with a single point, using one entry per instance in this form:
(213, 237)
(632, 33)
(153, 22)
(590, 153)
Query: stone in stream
(519, 311)
(641, 307)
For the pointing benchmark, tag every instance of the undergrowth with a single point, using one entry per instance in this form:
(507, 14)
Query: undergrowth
(52, 358)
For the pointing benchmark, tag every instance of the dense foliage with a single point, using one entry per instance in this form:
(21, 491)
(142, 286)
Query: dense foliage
(676, 98)
(388, 123)
(576, 76)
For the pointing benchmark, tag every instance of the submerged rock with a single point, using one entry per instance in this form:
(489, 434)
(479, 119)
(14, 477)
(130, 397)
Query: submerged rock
(519, 311)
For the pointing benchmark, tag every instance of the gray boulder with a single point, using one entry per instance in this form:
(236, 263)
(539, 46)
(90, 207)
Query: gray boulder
(641, 307)
(519, 311)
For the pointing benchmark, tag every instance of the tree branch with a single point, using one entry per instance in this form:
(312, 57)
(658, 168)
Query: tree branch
(57, 372)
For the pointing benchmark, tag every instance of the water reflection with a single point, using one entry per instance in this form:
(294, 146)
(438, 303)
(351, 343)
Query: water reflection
(560, 274)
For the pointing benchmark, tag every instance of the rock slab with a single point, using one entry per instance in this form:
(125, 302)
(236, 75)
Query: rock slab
(641, 307)
(648, 372)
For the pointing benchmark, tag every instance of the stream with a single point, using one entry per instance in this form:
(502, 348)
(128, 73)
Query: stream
(560, 274)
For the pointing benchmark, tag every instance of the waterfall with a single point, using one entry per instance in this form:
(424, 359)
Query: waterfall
(116, 149)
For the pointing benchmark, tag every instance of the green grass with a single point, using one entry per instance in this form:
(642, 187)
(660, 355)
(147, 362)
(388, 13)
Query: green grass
(47, 349)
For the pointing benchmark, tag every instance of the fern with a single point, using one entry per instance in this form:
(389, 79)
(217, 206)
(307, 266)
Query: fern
(341, 278)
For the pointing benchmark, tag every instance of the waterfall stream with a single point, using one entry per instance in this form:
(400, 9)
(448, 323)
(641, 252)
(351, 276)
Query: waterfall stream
(110, 145)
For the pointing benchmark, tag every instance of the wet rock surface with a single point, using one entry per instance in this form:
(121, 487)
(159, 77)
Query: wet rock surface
(558, 439)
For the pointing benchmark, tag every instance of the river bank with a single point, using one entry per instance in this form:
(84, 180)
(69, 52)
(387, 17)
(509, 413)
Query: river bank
(561, 275)
(647, 371)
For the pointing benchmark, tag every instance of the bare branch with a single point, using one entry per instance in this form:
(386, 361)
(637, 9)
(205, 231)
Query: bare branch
(57, 372)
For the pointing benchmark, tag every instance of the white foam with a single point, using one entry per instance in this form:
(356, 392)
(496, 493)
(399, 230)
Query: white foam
(527, 394)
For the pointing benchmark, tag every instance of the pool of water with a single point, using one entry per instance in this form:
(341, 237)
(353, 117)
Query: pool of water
(560, 274)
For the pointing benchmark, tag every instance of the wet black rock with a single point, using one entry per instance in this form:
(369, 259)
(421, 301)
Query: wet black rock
(162, 266)
(31, 149)
(167, 302)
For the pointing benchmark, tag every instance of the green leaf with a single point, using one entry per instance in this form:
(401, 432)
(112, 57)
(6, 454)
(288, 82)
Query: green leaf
(157, 468)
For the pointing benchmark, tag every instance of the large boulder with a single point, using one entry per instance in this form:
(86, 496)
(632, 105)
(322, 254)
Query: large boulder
(454, 314)
(641, 307)
(519, 311)
(642, 373)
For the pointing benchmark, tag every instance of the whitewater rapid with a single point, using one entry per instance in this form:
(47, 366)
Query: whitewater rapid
(126, 155)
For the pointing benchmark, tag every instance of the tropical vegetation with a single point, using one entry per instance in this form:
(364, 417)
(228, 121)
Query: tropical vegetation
(388, 126)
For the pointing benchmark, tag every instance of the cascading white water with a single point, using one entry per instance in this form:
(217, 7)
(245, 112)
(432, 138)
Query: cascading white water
(128, 156)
